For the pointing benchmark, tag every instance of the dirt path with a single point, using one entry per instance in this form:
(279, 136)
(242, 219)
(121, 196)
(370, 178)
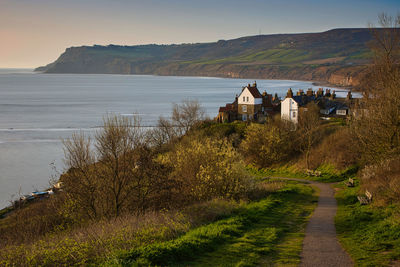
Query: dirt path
(321, 246)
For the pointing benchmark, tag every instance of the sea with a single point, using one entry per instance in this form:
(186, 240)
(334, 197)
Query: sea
(38, 111)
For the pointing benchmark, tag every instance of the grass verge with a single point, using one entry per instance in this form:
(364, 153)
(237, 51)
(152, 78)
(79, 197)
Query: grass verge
(263, 232)
(370, 234)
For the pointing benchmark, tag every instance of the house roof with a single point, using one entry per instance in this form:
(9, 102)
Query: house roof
(254, 91)
(303, 99)
(228, 107)
(222, 109)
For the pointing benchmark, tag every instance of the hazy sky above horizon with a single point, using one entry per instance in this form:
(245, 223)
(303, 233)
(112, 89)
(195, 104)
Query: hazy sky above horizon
(36, 32)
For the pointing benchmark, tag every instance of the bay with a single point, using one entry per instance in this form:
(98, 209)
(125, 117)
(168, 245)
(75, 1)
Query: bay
(38, 110)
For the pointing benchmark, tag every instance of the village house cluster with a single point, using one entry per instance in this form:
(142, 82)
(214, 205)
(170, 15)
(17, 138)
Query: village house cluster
(251, 105)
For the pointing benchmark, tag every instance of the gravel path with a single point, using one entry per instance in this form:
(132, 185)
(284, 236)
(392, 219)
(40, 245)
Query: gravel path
(321, 246)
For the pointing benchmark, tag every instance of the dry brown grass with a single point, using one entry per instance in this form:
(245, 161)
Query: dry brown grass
(383, 181)
(28, 223)
(337, 149)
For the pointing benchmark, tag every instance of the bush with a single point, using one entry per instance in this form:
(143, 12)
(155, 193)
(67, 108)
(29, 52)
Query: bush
(206, 168)
(266, 144)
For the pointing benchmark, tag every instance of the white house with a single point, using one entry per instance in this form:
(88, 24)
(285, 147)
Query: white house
(290, 108)
(250, 102)
(248, 97)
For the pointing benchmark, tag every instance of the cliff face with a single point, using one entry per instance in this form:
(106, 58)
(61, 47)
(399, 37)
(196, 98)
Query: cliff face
(334, 75)
(337, 56)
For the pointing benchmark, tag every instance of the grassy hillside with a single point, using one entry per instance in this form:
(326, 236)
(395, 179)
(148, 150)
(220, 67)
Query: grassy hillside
(308, 56)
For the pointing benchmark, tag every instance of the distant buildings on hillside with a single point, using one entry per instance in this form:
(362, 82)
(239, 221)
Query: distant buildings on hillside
(251, 105)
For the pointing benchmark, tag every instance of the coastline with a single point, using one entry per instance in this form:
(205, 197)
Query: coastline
(314, 82)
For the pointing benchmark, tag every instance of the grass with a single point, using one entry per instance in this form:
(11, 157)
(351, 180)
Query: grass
(5, 211)
(269, 56)
(270, 230)
(94, 242)
(370, 234)
(329, 174)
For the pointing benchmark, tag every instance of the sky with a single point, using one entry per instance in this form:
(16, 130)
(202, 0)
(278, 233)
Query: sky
(35, 32)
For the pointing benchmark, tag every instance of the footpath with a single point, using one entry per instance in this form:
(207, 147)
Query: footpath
(321, 246)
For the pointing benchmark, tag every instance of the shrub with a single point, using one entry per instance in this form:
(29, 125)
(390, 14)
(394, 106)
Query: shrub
(266, 144)
(207, 168)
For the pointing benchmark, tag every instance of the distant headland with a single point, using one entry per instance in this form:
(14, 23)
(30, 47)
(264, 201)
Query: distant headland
(337, 57)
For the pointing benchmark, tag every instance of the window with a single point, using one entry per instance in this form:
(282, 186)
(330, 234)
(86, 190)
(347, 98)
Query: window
(244, 99)
(294, 114)
(247, 99)
(244, 108)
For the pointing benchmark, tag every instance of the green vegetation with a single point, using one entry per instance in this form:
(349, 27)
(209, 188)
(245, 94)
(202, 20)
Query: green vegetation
(269, 56)
(327, 173)
(370, 234)
(362, 54)
(265, 144)
(270, 230)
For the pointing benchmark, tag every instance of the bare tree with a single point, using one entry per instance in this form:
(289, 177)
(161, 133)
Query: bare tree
(186, 115)
(80, 181)
(386, 40)
(165, 131)
(377, 125)
(115, 144)
(308, 129)
(103, 180)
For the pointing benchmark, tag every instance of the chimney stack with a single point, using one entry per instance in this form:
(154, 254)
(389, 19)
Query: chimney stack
(328, 93)
(289, 93)
(333, 96)
(349, 96)
(320, 92)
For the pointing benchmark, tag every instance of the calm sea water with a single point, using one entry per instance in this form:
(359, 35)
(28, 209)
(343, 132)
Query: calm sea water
(38, 110)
